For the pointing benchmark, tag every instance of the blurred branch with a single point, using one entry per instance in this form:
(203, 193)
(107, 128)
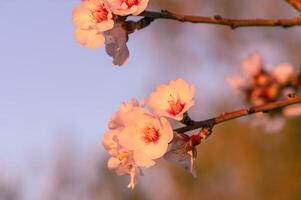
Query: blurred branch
(219, 20)
(295, 3)
(240, 113)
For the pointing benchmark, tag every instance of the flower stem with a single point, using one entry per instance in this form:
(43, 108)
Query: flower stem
(240, 113)
(233, 23)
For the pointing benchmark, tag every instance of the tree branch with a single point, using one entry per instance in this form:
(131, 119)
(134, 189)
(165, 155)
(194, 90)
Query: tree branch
(219, 20)
(240, 113)
(295, 3)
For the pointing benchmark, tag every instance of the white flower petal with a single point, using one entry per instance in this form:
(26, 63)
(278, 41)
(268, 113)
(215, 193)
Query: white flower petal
(155, 151)
(120, 7)
(172, 100)
(142, 160)
(283, 73)
(131, 138)
(113, 163)
(89, 38)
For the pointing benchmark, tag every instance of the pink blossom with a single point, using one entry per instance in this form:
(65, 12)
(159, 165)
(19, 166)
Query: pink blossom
(92, 18)
(172, 100)
(121, 159)
(118, 121)
(146, 135)
(127, 7)
(135, 139)
(283, 73)
(93, 14)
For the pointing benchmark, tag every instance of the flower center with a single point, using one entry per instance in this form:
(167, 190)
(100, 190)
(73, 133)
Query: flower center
(151, 135)
(175, 107)
(100, 14)
(131, 3)
(123, 156)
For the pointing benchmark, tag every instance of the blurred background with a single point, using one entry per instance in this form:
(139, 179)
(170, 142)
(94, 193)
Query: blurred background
(56, 98)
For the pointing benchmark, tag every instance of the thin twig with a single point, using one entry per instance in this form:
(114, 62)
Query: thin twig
(219, 20)
(240, 113)
(295, 3)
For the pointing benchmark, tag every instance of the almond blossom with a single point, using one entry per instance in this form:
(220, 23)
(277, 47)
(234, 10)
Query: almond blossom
(146, 135)
(172, 100)
(118, 119)
(121, 160)
(127, 7)
(92, 18)
(259, 85)
(93, 14)
(135, 139)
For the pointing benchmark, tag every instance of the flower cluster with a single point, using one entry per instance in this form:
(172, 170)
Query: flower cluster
(260, 85)
(97, 23)
(140, 133)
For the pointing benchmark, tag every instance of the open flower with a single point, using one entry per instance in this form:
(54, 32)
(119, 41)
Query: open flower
(92, 17)
(141, 132)
(119, 118)
(172, 100)
(259, 85)
(146, 135)
(93, 14)
(121, 160)
(123, 167)
(127, 7)
(135, 139)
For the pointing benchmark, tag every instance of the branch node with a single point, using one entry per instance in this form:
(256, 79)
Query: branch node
(219, 20)
(218, 17)
(187, 120)
(251, 110)
(166, 12)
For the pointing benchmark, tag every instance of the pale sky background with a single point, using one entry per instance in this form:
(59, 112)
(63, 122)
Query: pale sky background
(50, 85)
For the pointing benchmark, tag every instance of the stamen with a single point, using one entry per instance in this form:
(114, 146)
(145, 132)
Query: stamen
(151, 135)
(131, 3)
(100, 14)
(175, 107)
